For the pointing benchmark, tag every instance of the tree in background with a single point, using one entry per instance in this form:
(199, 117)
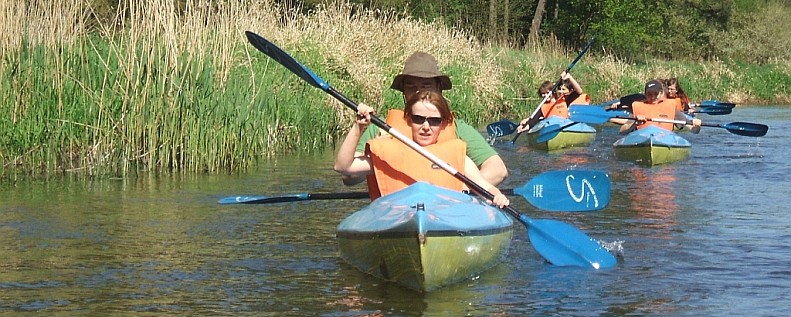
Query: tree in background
(751, 30)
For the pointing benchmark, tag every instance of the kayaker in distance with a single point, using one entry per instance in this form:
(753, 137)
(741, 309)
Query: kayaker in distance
(679, 96)
(421, 73)
(391, 165)
(655, 106)
(568, 93)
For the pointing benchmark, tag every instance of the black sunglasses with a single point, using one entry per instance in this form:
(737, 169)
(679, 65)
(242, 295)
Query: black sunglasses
(432, 121)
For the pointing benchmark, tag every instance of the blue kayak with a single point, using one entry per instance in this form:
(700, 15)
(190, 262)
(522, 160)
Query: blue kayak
(652, 145)
(424, 237)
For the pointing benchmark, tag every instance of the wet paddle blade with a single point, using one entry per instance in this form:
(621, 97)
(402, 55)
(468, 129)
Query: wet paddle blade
(501, 128)
(746, 128)
(575, 249)
(262, 199)
(568, 190)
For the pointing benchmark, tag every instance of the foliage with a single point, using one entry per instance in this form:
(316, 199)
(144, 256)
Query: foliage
(161, 88)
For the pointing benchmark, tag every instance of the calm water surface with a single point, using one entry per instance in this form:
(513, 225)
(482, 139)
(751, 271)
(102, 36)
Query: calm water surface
(707, 236)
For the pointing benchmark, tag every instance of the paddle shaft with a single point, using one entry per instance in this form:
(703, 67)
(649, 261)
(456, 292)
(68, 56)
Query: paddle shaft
(534, 117)
(261, 200)
(550, 132)
(739, 128)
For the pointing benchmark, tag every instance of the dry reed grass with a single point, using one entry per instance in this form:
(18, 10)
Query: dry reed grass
(179, 89)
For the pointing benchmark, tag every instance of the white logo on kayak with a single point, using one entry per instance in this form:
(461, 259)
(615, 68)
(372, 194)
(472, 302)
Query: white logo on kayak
(584, 185)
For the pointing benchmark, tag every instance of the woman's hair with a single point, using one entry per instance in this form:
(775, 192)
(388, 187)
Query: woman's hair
(679, 91)
(544, 88)
(674, 81)
(432, 97)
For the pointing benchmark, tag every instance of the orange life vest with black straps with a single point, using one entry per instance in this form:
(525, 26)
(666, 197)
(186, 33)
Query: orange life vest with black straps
(560, 108)
(665, 109)
(396, 166)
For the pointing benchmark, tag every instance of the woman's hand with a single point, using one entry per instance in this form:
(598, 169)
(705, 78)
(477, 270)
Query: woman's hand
(500, 200)
(364, 113)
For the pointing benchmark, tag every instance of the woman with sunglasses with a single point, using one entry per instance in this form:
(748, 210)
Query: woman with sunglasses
(421, 73)
(391, 165)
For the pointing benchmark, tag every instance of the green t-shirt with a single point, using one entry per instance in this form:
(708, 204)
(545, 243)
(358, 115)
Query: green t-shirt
(477, 148)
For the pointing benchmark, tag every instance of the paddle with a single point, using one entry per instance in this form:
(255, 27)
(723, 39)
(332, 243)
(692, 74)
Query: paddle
(551, 191)
(550, 132)
(714, 110)
(710, 107)
(535, 117)
(558, 242)
(594, 115)
(501, 128)
(715, 103)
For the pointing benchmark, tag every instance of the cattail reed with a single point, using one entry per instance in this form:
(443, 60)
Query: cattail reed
(173, 86)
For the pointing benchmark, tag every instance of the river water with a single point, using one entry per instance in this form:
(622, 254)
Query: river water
(710, 235)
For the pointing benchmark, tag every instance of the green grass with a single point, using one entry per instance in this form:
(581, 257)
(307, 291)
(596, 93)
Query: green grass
(117, 102)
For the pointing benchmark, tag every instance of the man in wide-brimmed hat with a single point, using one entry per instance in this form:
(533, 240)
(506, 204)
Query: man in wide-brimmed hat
(422, 73)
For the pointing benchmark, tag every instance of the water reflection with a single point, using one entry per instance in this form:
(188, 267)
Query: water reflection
(651, 196)
(705, 236)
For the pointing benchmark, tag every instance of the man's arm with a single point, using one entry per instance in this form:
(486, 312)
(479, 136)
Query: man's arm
(370, 133)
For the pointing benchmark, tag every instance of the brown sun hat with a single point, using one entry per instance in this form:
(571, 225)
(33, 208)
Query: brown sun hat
(423, 65)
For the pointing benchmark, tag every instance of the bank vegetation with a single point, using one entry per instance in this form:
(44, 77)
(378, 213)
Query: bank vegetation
(173, 87)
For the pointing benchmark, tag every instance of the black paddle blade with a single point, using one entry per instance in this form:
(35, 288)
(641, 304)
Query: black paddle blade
(501, 128)
(746, 128)
(286, 60)
(714, 111)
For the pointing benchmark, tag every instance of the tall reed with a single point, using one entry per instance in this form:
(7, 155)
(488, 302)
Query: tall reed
(178, 89)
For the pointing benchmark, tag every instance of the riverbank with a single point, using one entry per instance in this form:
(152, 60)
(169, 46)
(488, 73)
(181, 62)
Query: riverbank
(158, 91)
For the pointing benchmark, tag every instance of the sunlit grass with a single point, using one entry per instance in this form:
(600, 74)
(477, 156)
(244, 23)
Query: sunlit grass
(168, 90)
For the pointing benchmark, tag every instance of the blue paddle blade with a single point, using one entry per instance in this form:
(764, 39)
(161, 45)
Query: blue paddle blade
(594, 115)
(549, 132)
(569, 190)
(574, 249)
(501, 128)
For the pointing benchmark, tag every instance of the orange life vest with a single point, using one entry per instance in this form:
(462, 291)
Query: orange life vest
(582, 99)
(560, 108)
(665, 109)
(679, 104)
(396, 166)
